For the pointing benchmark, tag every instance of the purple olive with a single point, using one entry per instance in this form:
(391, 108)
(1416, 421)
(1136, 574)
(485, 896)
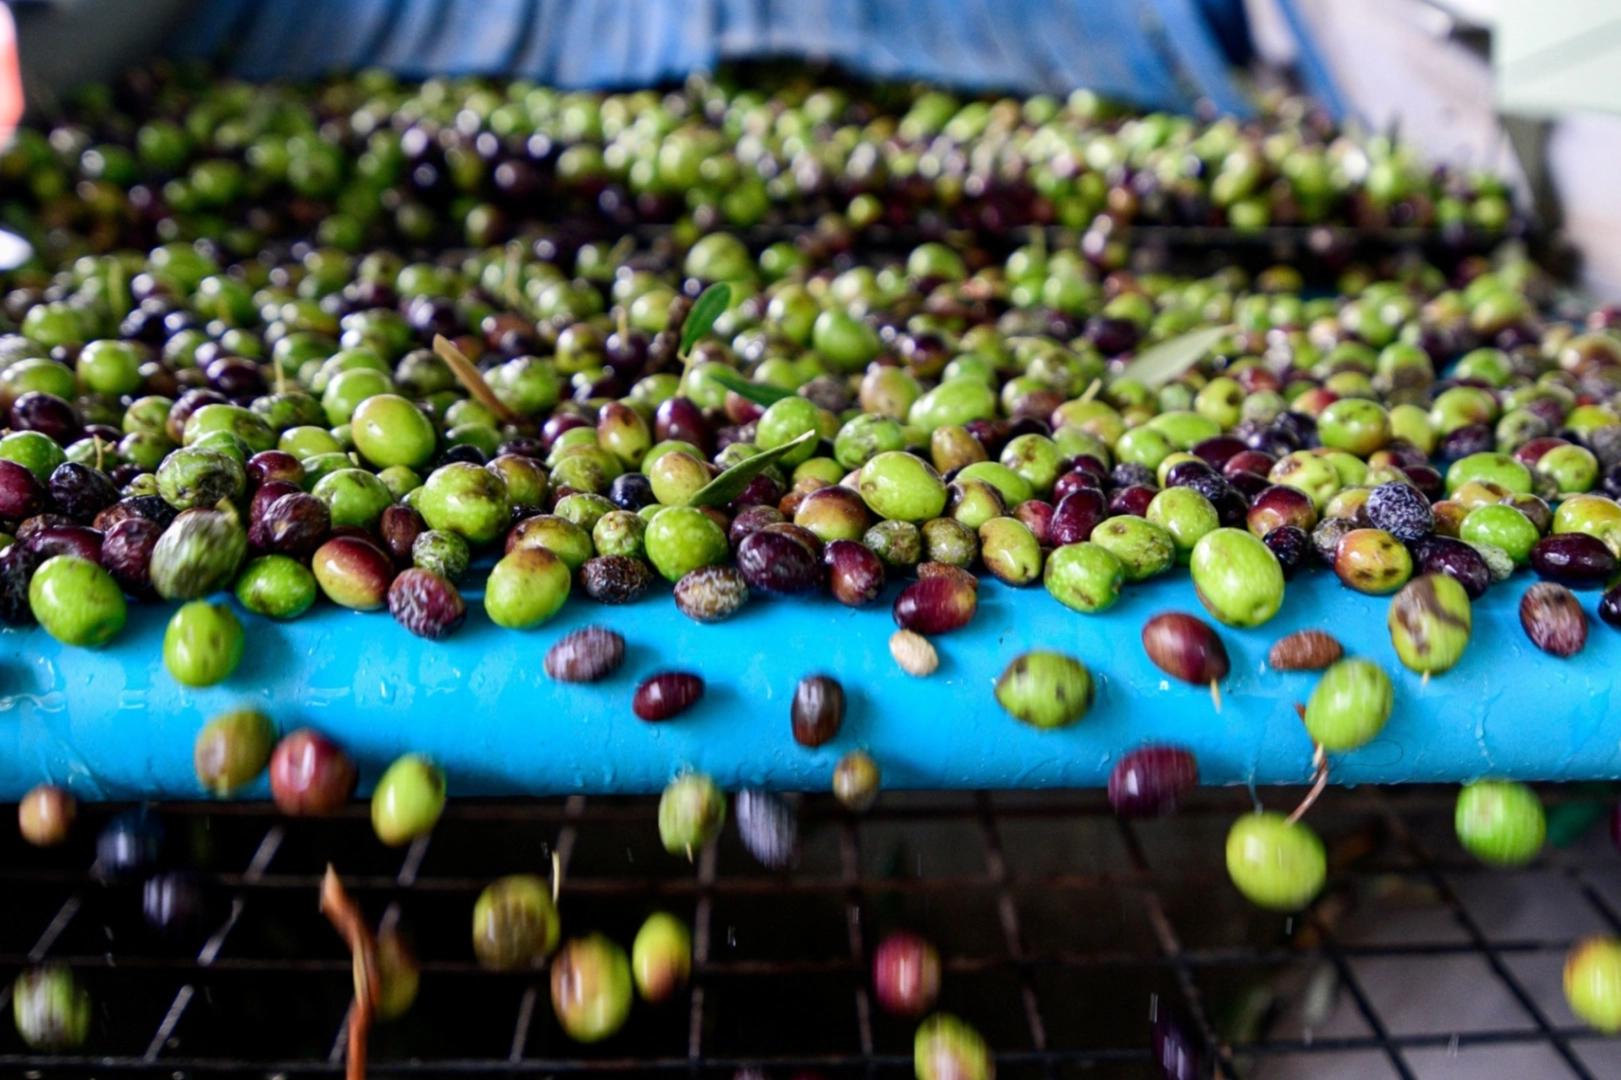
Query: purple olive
(680, 419)
(80, 491)
(1132, 500)
(235, 377)
(296, 524)
(183, 907)
(817, 711)
(768, 825)
(1456, 559)
(667, 694)
(17, 566)
(1176, 1054)
(1609, 607)
(855, 574)
(761, 491)
(130, 846)
(751, 519)
(1218, 450)
(21, 493)
(46, 414)
(1076, 515)
(1148, 782)
(1073, 481)
(78, 540)
(265, 496)
(936, 605)
(268, 465)
(780, 563)
(1248, 463)
(1186, 648)
(1185, 473)
(1574, 560)
(126, 552)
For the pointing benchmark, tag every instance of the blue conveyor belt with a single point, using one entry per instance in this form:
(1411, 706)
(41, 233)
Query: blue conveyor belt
(112, 724)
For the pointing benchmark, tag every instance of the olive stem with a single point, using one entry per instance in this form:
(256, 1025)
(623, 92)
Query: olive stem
(469, 376)
(1215, 694)
(96, 439)
(1319, 760)
(557, 876)
(1425, 681)
(281, 376)
(623, 320)
(341, 910)
(1092, 390)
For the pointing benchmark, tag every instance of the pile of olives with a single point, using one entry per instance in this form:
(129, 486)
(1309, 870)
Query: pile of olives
(169, 154)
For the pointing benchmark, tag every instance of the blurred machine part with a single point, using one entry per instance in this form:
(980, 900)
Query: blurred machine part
(13, 252)
(1522, 87)
(1170, 54)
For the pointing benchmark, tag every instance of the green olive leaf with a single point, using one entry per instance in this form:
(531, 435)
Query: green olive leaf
(759, 393)
(1165, 361)
(709, 306)
(730, 484)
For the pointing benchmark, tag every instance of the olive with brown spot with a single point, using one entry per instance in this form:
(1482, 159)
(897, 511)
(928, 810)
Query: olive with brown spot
(1045, 689)
(1430, 623)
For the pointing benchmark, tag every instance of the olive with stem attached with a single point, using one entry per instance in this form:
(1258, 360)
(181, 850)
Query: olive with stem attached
(1186, 648)
(515, 923)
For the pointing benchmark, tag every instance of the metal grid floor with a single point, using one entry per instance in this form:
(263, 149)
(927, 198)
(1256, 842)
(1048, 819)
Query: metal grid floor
(1060, 927)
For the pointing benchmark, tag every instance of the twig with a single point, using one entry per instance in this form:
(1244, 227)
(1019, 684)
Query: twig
(1319, 760)
(469, 376)
(1215, 693)
(345, 917)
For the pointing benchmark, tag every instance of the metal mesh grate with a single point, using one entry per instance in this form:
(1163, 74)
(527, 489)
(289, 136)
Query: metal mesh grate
(1060, 927)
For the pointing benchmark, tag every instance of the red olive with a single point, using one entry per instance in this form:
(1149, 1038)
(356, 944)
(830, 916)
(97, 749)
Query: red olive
(1185, 648)
(936, 605)
(310, 774)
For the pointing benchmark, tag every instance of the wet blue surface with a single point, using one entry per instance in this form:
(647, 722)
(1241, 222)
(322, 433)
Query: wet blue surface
(113, 724)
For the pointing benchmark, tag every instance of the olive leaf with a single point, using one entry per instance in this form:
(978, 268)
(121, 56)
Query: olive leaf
(1165, 361)
(759, 393)
(730, 484)
(709, 306)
